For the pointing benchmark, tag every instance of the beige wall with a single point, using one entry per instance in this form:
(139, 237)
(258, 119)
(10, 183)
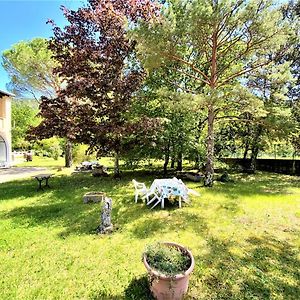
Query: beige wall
(2, 108)
(5, 123)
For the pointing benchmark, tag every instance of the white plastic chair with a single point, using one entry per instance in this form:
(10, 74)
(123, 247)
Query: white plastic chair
(140, 189)
(158, 198)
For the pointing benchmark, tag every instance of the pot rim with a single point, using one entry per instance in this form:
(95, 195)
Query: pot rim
(174, 277)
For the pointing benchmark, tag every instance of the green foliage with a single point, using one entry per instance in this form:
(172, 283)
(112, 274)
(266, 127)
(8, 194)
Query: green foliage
(51, 147)
(179, 115)
(292, 13)
(167, 260)
(262, 113)
(24, 115)
(212, 46)
(246, 32)
(29, 65)
(80, 153)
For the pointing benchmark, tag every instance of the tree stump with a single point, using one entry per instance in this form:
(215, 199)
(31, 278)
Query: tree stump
(105, 217)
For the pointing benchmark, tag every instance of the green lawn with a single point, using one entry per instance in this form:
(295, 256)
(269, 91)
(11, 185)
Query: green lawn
(244, 237)
(39, 161)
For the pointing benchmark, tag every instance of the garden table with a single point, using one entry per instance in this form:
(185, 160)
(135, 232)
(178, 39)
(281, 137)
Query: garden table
(168, 187)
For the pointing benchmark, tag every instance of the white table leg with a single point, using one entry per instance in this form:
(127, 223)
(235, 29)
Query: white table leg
(163, 203)
(179, 201)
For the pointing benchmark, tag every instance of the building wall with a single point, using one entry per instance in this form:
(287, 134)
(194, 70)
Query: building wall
(5, 124)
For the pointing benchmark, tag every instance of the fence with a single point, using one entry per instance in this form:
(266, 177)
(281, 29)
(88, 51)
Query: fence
(284, 166)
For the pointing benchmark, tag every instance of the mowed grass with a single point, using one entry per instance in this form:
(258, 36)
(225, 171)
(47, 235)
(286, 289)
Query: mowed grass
(244, 236)
(39, 161)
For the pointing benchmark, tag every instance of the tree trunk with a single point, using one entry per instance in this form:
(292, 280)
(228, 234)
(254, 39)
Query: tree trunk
(255, 149)
(68, 154)
(210, 148)
(172, 163)
(117, 166)
(253, 158)
(197, 162)
(209, 176)
(294, 163)
(167, 158)
(179, 162)
(246, 150)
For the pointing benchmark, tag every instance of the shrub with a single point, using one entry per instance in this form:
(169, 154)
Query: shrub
(80, 154)
(49, 147)
(168, 260)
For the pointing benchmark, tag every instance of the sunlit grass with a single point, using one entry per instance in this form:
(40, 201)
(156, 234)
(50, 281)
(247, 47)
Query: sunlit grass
(40, 161)
(244, 236)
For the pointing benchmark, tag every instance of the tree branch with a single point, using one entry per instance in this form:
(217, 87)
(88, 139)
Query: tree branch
(179, 59)
(180, 87)
(192, 76)
(227, 16)
(278, 55)
(242, 72)
(238, 119)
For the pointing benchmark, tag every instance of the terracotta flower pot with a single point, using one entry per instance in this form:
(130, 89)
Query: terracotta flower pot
(165, 287)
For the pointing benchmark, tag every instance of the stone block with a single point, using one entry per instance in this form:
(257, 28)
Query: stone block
(93, 197)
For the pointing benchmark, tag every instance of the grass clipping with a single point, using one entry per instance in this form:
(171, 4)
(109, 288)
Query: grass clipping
(167, 260)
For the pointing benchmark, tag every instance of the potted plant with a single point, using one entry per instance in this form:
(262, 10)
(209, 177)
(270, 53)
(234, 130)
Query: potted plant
(169, 266)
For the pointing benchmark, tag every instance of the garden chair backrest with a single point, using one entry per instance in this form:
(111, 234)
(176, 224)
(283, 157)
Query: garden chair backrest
(140, 189)
(138, 185)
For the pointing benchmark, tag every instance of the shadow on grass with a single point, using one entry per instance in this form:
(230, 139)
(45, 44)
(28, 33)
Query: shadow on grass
(105, 296)
(79, 220)
(21, 189)
(267, 267)
(275, 263)
(62, 204)
(174, 221)
(138, 289)
(230, 207)
(261, 184)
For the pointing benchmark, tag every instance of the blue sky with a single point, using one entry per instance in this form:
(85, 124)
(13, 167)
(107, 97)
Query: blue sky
(25, 20)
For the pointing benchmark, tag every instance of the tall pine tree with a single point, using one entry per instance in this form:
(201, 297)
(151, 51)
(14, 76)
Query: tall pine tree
(215, 44)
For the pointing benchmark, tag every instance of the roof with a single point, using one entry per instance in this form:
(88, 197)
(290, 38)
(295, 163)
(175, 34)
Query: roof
(3, 93)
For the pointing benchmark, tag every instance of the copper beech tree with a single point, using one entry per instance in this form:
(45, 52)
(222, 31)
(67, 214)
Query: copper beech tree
(100, 75)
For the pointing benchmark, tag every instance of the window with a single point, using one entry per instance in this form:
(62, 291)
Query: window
(3, 150)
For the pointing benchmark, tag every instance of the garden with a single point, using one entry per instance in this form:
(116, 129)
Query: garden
(152, 152)
(244, 236)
